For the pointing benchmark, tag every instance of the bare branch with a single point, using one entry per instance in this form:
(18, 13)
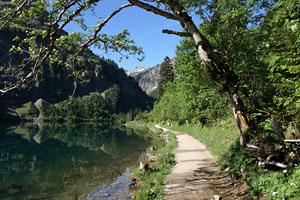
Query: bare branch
(291, 141)
(252, 146)
(154, 10)
(181, 34)
(11, 15)
(74, 14)
(269, 162)
(93, 39)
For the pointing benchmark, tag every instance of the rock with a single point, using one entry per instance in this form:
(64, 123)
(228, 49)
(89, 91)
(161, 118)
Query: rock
(217, 197)
(147, 79)
(142, 165)
(134, 182)
(151, 158)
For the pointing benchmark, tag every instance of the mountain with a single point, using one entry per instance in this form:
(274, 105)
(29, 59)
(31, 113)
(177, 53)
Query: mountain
(54, 84)
(147, 79)
(136, 70)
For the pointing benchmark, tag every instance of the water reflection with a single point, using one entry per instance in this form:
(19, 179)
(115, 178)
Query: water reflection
(56, 161)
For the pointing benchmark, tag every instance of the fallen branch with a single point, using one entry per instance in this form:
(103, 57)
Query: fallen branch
(253, 146)
(268, 161)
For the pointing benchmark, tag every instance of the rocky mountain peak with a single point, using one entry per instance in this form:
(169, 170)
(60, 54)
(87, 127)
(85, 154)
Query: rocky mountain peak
(147, 78)
(136, 70)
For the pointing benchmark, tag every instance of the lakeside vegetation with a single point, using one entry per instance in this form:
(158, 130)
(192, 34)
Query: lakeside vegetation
(94, 107)
(151, 178)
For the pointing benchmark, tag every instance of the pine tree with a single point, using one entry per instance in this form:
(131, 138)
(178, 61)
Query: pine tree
(166, 74)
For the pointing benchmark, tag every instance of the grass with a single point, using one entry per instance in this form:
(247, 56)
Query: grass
(152, 180)
(217, 138)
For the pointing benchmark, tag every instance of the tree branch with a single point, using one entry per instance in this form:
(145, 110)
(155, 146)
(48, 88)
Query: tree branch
(297, 140)
(11, 15)
(94, 38)
(181, 34)
(46, 48)
(101, 25)
(153, 9)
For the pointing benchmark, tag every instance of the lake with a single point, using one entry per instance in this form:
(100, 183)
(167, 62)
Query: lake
(68, 161)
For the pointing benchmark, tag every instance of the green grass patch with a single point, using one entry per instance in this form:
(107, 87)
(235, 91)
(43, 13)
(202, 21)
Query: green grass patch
(217, 138)
(153, 93)
(23, 110)
(152, 180)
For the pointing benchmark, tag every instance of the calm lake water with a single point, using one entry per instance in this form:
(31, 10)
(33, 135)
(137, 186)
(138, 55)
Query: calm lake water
(71, 161)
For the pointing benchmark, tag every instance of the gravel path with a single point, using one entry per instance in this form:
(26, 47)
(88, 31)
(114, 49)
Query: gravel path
(196, 175)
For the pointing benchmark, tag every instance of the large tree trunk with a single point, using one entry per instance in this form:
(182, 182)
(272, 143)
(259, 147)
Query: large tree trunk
(217, 70)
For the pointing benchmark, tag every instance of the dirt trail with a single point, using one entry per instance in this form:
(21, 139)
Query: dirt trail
(196, 176)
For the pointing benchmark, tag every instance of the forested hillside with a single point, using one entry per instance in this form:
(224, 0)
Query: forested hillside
(241, 58)
(107, 88)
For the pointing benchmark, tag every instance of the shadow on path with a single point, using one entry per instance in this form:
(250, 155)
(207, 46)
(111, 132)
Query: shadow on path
(196, 175)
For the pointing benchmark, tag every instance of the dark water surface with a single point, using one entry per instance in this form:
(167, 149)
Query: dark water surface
(71, 161)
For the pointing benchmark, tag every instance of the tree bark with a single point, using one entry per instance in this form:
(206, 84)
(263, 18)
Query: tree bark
(220, 72)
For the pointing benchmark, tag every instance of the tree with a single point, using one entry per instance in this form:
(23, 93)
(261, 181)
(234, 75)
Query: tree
(191, 96)
(166, 74)
(280, 48)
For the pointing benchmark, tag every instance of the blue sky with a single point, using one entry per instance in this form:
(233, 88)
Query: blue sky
(145, 29)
